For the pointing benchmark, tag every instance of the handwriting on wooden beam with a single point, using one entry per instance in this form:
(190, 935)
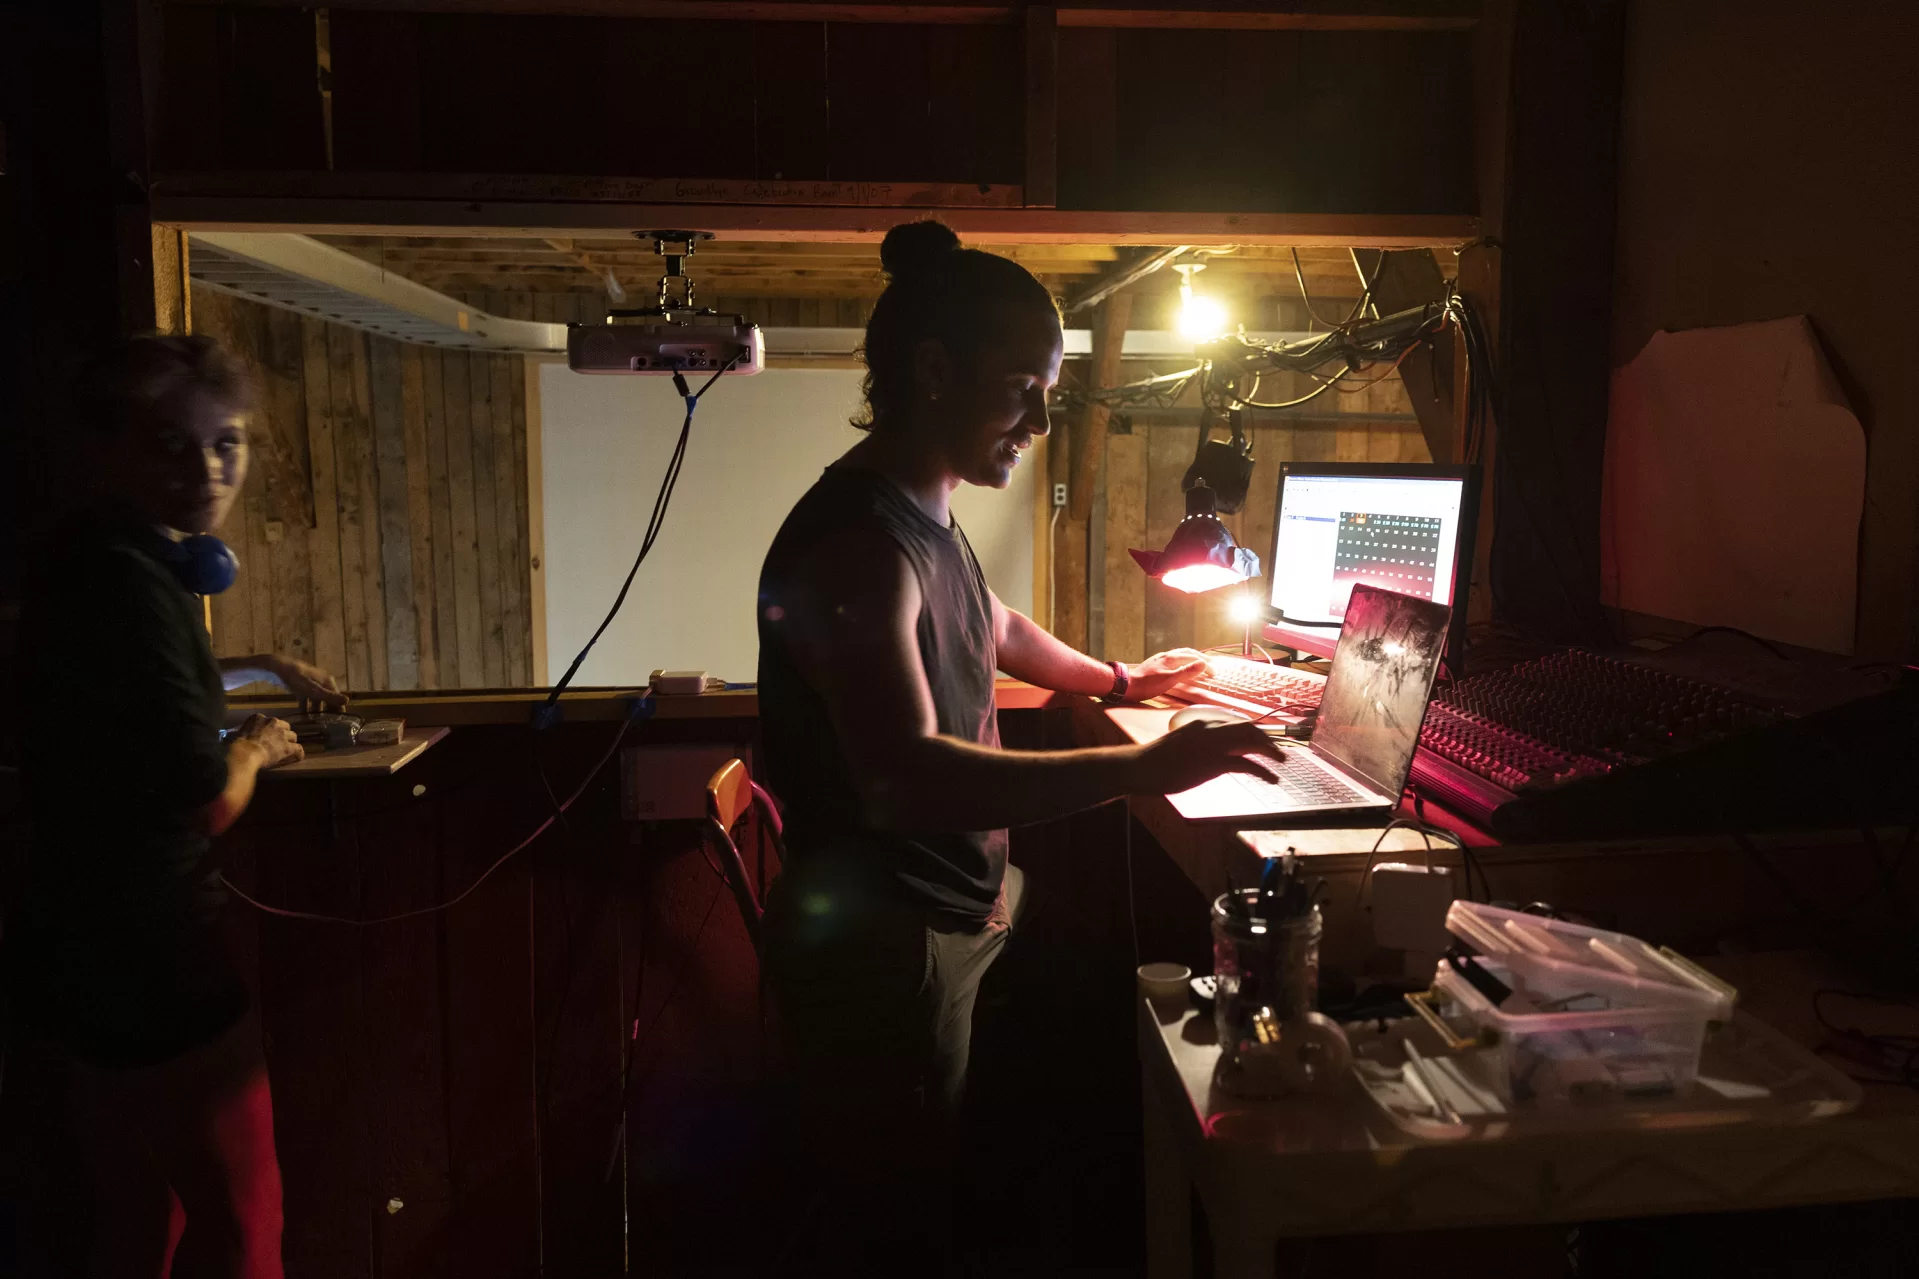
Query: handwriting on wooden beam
(1224, 15)
(615, 190)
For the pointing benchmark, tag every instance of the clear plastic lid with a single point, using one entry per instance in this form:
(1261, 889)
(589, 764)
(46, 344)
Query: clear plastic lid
(1494, 931)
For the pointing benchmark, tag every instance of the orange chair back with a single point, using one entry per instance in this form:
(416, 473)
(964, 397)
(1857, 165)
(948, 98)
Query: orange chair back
(729, 794)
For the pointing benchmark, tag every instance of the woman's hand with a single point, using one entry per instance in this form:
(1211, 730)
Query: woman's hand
(1163, 671)
(1198, 753)
(274, 738)
(307, 682)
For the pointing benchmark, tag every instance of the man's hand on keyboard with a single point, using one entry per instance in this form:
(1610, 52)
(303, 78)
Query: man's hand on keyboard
(1198, 753)
(1163, 671)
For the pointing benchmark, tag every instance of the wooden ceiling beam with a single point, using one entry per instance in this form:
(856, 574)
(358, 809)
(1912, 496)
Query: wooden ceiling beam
(716, 251)
(808, 223)
(1218, 15)
(758, 264)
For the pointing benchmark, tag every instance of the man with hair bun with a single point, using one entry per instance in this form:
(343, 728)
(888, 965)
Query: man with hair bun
(879, 642)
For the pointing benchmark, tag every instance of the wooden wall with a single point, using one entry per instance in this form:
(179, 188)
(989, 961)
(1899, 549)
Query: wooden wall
(384, 533)
(1706, 237)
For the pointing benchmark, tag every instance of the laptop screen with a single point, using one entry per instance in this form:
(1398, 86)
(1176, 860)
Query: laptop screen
(1375, 697)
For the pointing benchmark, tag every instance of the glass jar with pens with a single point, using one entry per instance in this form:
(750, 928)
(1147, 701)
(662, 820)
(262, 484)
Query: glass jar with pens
(1266, 961)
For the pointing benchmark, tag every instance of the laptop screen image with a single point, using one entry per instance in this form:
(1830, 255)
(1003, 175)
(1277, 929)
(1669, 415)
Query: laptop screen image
(1382, 675)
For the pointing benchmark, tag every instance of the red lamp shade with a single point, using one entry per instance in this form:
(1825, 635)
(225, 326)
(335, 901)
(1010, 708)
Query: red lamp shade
(1201, 555)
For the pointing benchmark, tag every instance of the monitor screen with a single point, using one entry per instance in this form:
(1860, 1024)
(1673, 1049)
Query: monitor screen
(1395, 527)
(1375, 698)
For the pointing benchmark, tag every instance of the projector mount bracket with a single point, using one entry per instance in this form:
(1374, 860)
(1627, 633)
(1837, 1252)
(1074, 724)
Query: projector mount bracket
(676, 286)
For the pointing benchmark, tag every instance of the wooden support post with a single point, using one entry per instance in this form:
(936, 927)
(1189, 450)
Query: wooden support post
(1478, 283)
(1076, 463)
(1109, 340)
(535, 522)
(1552, 271)
(131, 44)
(1041, 606)
(1479, 275)
(172, 297)
(1042, 106)
(1407, 279)
(1067, 543)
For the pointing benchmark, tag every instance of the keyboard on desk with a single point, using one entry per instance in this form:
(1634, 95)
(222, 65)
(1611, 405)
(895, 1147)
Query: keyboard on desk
(1256, 687)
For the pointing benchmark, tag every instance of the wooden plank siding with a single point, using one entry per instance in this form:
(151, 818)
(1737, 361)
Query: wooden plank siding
(383, 534)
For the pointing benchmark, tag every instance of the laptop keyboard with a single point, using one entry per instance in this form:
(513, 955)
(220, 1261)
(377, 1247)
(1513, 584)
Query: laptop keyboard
(1296, 780)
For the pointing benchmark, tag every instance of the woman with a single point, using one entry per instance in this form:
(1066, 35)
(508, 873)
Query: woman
(879, 640)
(116, 954)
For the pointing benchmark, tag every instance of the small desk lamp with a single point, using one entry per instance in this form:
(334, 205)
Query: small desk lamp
(1201, 555)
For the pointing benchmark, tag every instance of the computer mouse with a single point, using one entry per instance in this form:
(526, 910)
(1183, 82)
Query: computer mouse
(1205, 715)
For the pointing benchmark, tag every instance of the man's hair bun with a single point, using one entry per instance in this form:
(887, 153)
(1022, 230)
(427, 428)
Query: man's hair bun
(913, 248)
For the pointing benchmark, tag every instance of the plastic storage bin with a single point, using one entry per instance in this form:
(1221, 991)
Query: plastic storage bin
(1493, 931)
(1593, 1016)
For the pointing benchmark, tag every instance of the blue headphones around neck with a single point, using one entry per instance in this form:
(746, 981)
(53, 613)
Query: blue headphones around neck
(202, 563)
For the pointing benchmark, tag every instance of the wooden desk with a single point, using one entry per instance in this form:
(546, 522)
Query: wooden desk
(511, 706)
(1321, 1166)
(1686, 891)
(361, 761)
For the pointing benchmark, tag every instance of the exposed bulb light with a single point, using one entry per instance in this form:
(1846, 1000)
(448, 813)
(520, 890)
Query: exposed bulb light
(1200, 318)
(1244, 608)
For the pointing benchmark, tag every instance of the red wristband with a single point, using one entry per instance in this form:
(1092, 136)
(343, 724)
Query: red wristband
(1120, 680)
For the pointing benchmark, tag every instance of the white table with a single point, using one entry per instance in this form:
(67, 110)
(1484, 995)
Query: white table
(1324, 1166)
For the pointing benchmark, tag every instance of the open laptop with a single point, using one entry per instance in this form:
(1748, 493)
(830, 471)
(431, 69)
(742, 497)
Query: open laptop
(1355, 766)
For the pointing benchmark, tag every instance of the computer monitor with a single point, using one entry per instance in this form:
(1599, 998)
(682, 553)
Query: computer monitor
(1406, 527)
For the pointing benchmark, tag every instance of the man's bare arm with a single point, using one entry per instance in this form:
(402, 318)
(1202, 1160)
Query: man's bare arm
(850, 619)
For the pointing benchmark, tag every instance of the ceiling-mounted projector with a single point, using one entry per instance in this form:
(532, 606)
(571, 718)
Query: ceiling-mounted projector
(672, 337)
(666, 348)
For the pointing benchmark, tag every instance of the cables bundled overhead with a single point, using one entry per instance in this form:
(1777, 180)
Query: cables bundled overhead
(1232, 367)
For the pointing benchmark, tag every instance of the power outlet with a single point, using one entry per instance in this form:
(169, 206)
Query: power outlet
(1059, 495)
(668, 783)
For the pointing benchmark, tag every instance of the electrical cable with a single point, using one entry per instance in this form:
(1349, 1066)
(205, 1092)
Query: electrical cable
(638, 1037)
(1300, 621)
(1780, 882)
(1468, 859)
(1426, 832)
(547, 712)
(1222, 648)
(1288, 404)
(639, 704)
(1897, 1055)
(1132, 909)
(1766, 644)
(569, 952)
(1368, 281)
(1299, 273)
(1357, 387)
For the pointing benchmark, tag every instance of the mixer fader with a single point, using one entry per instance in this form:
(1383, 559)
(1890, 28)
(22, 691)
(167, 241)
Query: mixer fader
(1580, 742)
